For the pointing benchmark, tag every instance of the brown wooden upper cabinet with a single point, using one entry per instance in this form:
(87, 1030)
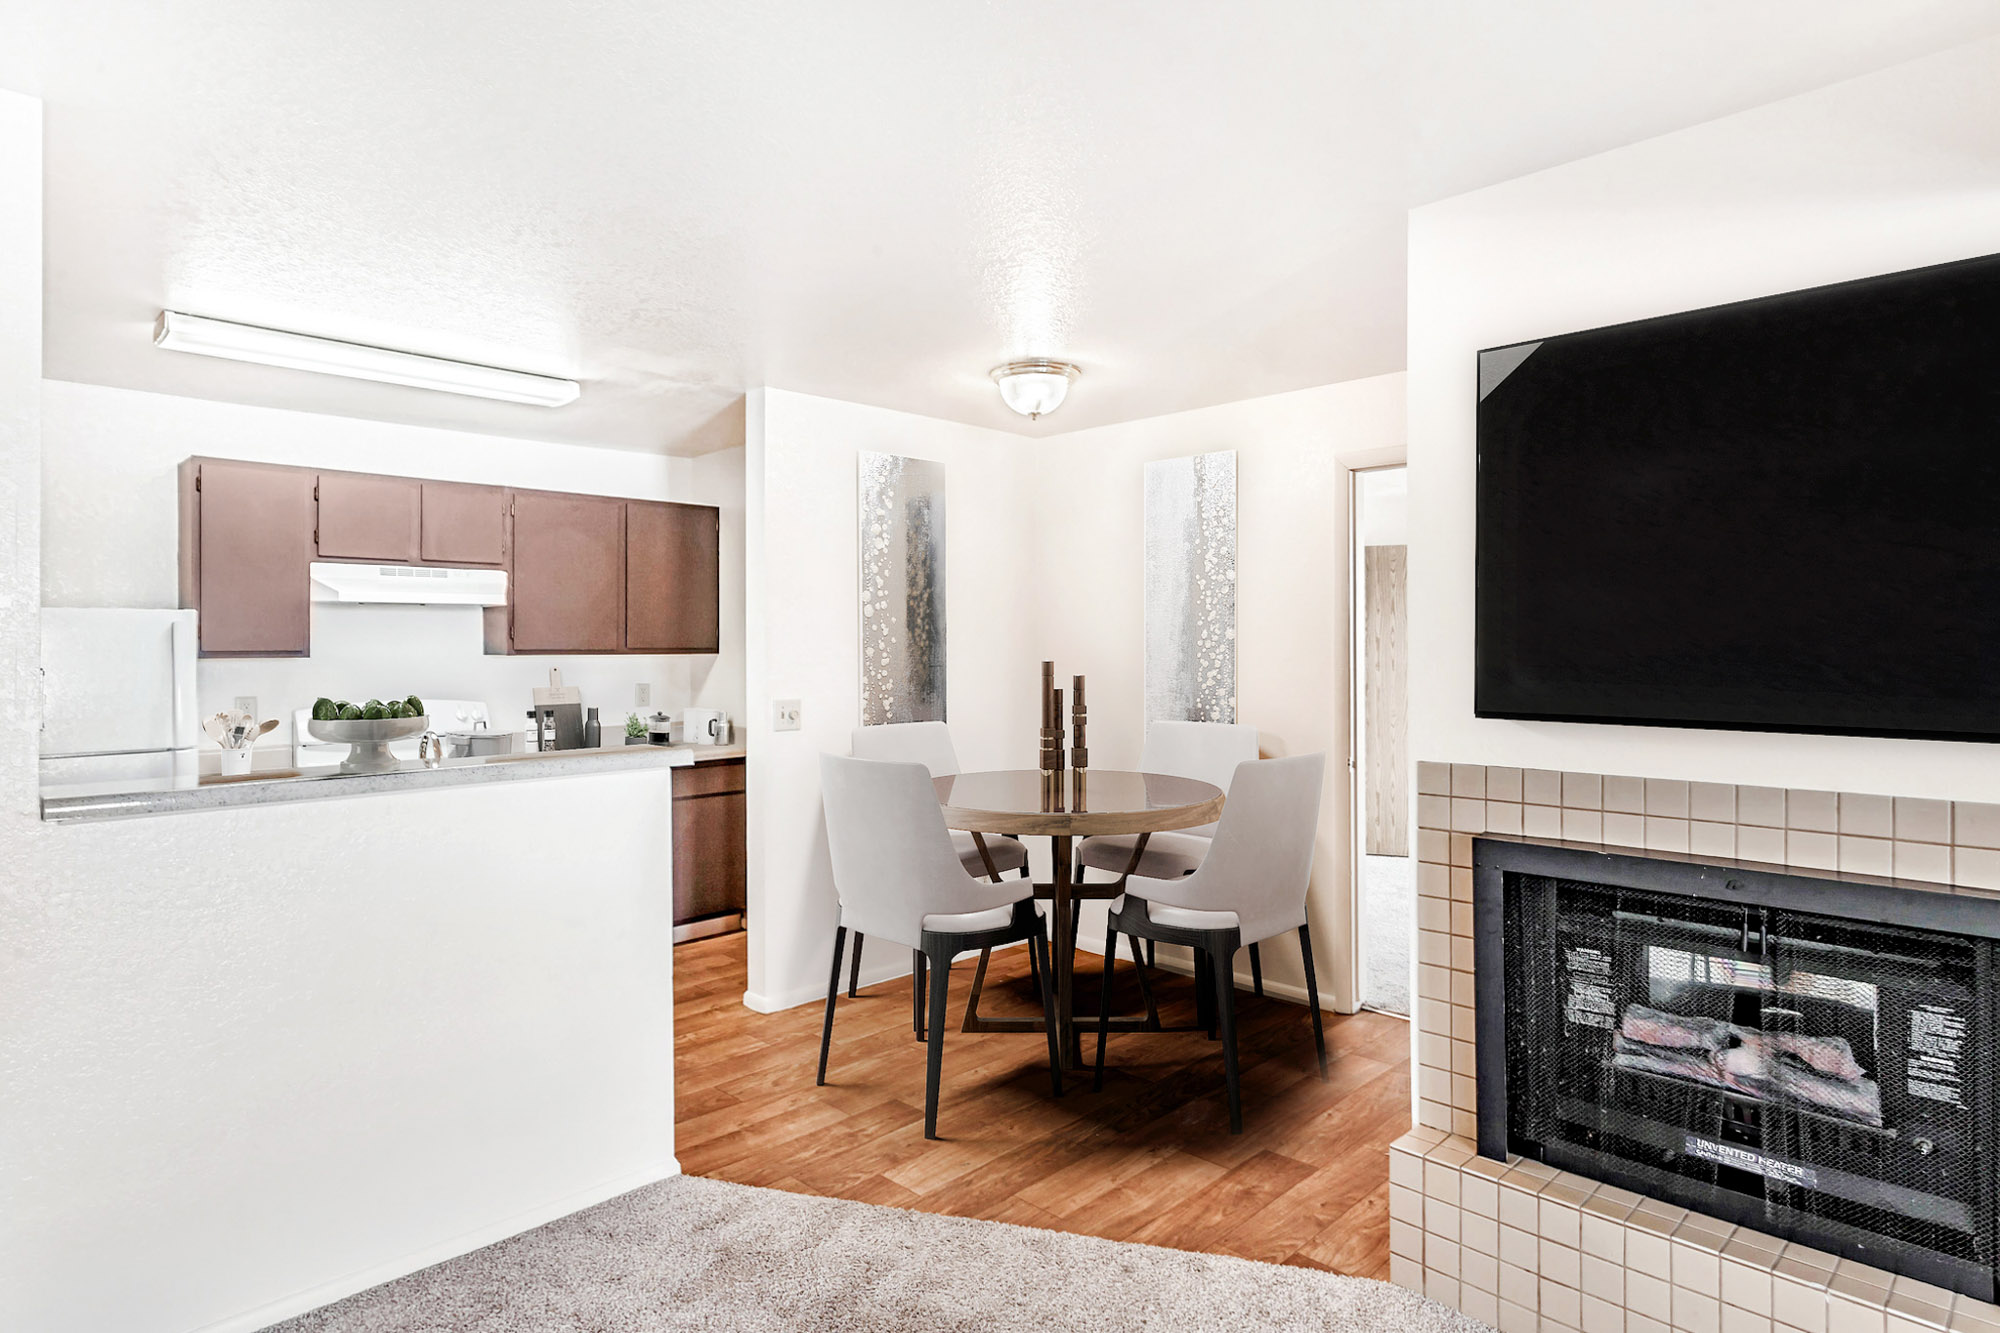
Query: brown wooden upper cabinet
(246, 543)
(363, 517)
(673, 553)
(567, 585)
(464, 525)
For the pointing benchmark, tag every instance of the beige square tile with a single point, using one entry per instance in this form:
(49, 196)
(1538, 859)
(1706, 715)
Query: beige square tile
(1539, 786)
(1503, 784)
(1478, 1195)
(1667, 835)
(1519, 1249)
(1478, 1269)
(1649, 1296)
(1603, 1237)
(1468, 780)
(1418, 1141)
(1622, 830)
(1517, 1318)
(1812, 851)
(1975, 867)
(1625, 795)
(1698, 1270)
(1461, 989)
(1406, 1209)
(1813, 811)
(1434, 812)
(1560, 1305)
(1433, 779)
(1461, 919)
(1922, 821)
(1603, 1278)
(1519, 1206)
(1582, 825)
(1542, 821)
(1867, 816)
(1464, 1122)
(1441, 1254)
(1482, 1306)
(1435, 1115)
(1763, 806)
(1434, 914)
(1434, 1016)
(1707, 839)
(1441, 1186)
(1667, 798)
(1464, 1091)
(1974, 1316)
(1638, 1323)
(1921, 1309)
(1518, 1284)
(1433, 982)
(1648, 1252)
(1478, 1235)
(1461, 884)
(1561, 1264)
(1974, 824)
(1441, 1287)
(1844, 1315)
(1757, 843)
(1735, 1320)
(1798, 1305)
(1503, 816)
(1866, 856)
(1601, 1316)
(1468, 815)
(1696, 1313)
(1433, 881)
(1406, 1170)
(1461, 952)
(1434, 845)
(1746, 1286)
(1464, 1023)
(1434, 947)
(1464, 1060)
(1712, 801)
(1461, 850)
(1927, 861)
(1583, 791)
(1406, 1272)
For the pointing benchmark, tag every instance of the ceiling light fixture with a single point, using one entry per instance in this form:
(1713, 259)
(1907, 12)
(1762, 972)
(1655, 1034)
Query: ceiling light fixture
(1035, 386)
(329, 356)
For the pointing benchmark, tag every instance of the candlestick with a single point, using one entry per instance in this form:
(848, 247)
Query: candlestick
(1079, 716)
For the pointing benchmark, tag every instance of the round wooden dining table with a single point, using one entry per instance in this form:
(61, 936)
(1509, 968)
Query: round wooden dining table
(1063, 807)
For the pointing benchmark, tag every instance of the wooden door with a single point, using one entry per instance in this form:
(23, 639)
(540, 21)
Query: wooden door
(364, 517)
(464, 525)
(567, 574)
(1385, 610)
(673, 555)
(255, 542)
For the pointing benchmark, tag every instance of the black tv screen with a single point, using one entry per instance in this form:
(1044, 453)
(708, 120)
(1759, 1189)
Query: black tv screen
(1782, 515)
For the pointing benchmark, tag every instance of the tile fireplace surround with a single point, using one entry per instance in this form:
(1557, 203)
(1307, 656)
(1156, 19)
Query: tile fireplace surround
(1524, 1247)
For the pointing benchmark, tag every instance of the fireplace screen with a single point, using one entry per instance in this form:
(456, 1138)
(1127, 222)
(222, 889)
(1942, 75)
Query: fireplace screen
(1815, 1076)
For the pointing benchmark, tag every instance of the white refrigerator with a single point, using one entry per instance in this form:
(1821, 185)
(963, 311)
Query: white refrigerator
(118, 695)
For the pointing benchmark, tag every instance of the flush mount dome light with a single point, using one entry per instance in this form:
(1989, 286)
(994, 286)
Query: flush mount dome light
(1034, 387)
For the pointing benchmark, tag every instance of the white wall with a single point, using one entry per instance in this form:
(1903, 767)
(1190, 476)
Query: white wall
(254, 1060)
(804, 643)
(717, 681)
(1886, 172)
(110, 536)
(1291, 590)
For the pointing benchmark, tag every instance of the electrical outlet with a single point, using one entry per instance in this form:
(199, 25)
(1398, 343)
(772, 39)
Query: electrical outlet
(785, 714)
(642, 695)
(247, 703)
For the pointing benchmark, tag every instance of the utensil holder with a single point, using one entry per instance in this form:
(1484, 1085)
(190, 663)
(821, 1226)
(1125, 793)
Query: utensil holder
(236, 763)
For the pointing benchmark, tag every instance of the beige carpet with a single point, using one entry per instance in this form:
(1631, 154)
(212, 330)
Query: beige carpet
(700, 1254)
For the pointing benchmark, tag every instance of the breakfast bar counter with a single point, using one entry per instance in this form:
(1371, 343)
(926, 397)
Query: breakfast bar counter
(128, 798)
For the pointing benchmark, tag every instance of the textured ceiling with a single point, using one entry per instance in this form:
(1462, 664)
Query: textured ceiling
(868, 199)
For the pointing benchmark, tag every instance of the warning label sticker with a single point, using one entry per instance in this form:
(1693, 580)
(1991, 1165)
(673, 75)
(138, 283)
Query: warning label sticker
(1748, 1159)
(1588, 1001)
(1937, 1041)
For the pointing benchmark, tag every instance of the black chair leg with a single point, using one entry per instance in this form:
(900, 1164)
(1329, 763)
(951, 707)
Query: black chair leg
(1104, 1000)
(1312, 999)
(1152, 954)
(1035, 964)
(1145, 986)
(832, 993)
(1256, 972)
(1204, 993)
(1225, 1004)
(939, 973)
(917, 993)
(854, 968)
(1044, 981)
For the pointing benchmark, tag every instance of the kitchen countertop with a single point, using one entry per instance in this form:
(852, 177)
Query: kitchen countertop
(80, 802)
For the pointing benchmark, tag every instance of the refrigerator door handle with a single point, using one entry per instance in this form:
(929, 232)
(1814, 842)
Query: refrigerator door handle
(184, 700)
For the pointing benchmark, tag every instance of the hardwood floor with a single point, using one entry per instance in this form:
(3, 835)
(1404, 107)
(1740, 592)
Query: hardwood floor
(1149, 1159)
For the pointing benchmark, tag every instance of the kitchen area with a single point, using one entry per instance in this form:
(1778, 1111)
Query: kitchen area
(516, 632)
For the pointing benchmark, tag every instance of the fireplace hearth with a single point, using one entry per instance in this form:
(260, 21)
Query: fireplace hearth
(1807, 1056)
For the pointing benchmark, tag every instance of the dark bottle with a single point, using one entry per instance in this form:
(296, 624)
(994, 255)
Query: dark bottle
(593, 730)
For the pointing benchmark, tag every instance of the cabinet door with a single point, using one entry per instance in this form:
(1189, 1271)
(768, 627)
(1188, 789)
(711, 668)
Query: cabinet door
(464, 525)
(368, 518)
(710, 855)
(672, 597)
(256, 541)
(568, 584)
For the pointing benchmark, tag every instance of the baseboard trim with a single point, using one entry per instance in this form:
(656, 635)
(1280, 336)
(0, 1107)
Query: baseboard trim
(342, 1287)
(758, 1002)
(1281, 990)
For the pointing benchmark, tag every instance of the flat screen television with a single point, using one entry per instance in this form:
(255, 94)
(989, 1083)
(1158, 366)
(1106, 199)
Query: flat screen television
(1777, 515)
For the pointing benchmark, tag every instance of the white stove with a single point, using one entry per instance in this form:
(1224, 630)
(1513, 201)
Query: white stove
(446, 715)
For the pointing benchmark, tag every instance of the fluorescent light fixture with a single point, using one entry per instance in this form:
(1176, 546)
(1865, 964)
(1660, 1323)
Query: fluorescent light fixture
(328, 356)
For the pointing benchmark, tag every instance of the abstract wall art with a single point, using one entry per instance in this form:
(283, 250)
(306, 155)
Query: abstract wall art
(902, 590)
(1191, 588)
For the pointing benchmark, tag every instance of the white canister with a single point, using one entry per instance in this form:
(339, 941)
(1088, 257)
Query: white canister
(236, 763)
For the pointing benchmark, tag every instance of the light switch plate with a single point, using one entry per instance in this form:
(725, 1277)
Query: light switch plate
(642, 695)
(785, 714)
(247, 703)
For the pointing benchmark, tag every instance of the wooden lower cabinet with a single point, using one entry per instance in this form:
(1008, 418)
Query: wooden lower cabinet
(710, 840)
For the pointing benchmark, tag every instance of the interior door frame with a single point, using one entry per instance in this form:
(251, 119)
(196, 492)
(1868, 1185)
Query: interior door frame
(1350, 778)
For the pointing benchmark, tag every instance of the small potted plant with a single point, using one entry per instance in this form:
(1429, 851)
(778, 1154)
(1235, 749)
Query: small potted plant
(635, 730)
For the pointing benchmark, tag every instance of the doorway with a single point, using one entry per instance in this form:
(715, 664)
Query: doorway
(1384, 868)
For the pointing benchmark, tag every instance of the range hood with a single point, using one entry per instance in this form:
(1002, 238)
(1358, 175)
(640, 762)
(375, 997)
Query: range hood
(431, 585)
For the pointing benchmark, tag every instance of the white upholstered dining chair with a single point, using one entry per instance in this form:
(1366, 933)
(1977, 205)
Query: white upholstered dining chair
(929, 744)
(900, 879)
(1251, 887)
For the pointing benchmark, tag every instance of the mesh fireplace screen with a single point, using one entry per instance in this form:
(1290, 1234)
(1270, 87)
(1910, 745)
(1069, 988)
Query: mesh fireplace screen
(1813, 1076)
